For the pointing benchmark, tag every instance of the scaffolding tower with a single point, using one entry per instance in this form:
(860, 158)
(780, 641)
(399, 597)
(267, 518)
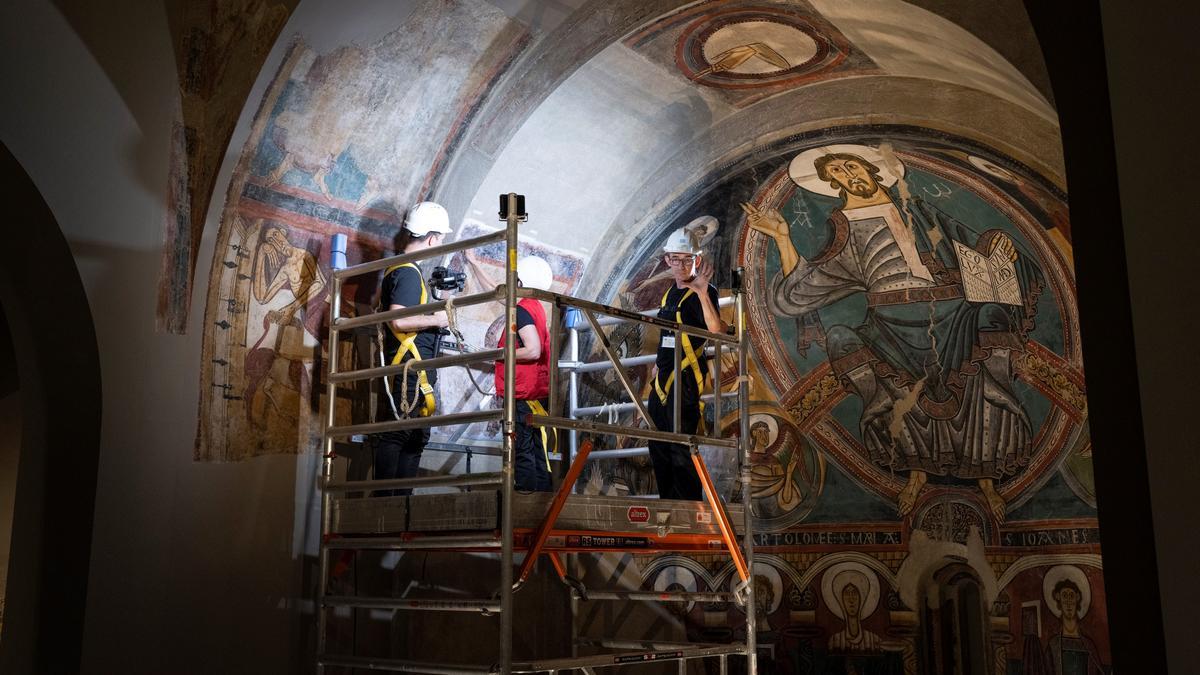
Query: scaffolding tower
(549, 525)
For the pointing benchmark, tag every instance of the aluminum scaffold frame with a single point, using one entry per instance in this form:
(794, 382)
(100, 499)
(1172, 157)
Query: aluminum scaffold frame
(506, 541)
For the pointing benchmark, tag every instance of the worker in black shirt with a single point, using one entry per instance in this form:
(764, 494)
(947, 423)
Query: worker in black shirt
(693, 301)
(398, 453)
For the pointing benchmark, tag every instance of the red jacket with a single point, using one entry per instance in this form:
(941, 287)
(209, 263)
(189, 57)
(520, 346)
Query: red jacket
(533, 378)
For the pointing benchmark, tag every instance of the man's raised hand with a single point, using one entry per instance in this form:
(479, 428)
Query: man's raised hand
(770, 222)
(704, 274)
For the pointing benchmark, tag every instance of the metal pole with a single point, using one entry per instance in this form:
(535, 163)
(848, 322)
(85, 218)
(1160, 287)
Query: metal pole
(468, 417)
(716, 425)
(631, 432)
(624, 406)
(620, 372)
(555, 402)
(425, 543)
(744, 471)
(611, 320)
(424, 254)
(444, 480)
(573, 392)
(335, 295)
(510, 417)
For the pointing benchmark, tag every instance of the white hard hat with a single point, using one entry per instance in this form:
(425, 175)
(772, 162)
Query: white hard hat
(535, 273)
(427, 217)
(692, 237)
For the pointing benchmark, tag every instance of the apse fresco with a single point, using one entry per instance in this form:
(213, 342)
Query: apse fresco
(921, 469)
(918, 400)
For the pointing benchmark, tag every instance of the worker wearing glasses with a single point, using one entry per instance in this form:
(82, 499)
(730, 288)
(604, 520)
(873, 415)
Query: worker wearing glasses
(690, 300)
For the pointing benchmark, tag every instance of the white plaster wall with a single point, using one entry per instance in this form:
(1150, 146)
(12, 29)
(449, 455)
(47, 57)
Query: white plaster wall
(195, 567)
(592, 143)
(908, 41)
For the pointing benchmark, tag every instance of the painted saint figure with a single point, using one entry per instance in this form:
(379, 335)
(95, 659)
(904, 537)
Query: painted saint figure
(284, 352)
(1070, 652)
(930, 358)
(852, 587)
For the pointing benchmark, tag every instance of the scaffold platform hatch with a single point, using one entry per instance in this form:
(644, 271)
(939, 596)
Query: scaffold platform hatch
(493, 517)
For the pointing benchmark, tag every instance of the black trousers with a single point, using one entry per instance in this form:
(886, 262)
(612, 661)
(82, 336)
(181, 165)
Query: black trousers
(397, 453)
(673, 469)
(531, 457)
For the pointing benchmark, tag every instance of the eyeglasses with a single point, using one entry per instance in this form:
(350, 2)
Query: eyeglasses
(677, 260)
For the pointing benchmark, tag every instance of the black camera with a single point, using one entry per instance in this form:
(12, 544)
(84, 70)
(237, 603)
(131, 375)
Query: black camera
(444, 279)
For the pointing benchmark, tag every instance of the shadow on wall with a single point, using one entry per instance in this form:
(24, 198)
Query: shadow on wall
(46, 588)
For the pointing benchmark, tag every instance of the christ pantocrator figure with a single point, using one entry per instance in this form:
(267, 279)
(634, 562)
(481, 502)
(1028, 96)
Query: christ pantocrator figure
(930, 361)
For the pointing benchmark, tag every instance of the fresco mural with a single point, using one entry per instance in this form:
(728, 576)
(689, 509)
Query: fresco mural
(343, 142)
(918, 396)
(219, 50)
(747, 50)
(920, 455)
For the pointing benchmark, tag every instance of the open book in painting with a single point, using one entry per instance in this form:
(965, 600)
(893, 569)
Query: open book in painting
(988, 279)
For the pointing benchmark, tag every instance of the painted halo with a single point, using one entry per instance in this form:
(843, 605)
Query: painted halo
(771, 515)
(766, 571)
(676, 575)
(772, 428)
(838, 576)
(992, 169)
(705, 228)
(790, 43)
(804, 174)
(1057, 574)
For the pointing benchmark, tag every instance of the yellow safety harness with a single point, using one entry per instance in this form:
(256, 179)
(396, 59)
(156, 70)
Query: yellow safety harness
(690, 360)
(538, 409)
(408, 345)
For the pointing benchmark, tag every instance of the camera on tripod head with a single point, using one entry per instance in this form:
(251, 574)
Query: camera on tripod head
(444, 279)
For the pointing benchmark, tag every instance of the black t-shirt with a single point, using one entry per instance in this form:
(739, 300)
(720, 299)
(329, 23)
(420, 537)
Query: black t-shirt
(524, 318)
(692, 313)
(403, 286)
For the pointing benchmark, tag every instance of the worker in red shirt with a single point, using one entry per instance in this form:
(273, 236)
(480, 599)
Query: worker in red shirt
(532, 385)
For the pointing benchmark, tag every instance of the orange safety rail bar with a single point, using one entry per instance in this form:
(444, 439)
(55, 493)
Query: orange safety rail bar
(564, 491)
(577, 541)
(558, 566)
(727, 532)
(556, 507)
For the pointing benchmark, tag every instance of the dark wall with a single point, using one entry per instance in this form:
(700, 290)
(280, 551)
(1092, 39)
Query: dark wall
(1136, 244)
(1153, 67)
(54, 344)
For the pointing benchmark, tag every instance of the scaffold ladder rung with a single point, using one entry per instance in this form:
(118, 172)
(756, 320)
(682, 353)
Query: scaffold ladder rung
(450, 480)
(627, 658)
(402, 666)
(432, 542)
(417, 604)
(653, 596)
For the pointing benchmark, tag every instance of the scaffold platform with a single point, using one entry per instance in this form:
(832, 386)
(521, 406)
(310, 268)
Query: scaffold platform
(488, 515)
